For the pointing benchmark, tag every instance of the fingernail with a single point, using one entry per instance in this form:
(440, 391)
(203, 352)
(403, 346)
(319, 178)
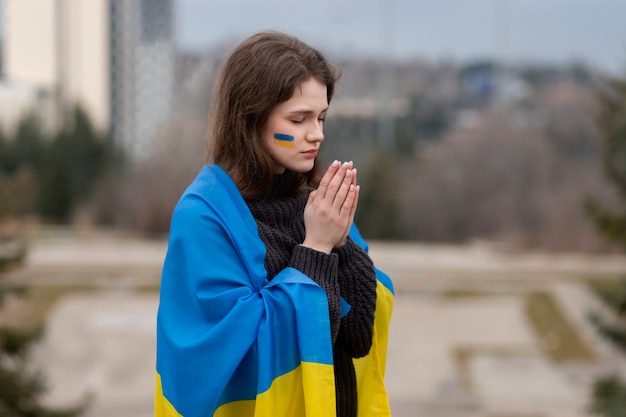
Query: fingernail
(348, 173)
(351, 187)
(345, 165)
(354, 171)
(335, 163)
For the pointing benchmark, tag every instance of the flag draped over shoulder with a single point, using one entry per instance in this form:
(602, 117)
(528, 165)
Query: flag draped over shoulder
(232, 343)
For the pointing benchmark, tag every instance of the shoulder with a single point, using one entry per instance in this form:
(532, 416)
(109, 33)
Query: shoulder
(212, 190)
(213, 204)
(213, 185)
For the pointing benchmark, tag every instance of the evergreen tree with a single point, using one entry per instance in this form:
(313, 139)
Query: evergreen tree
(21, 163)
(25, 148)
(22, 387)
(29, 144)
(609, 392)
(76, 160)
(4, 150)
(612, 126)
(51, 175)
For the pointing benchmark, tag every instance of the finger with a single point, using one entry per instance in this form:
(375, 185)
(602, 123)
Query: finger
(328, 176)
(343, 190)
(336, 181)
(348, 208)
(357, 191)
(312, 195)
(353, 177)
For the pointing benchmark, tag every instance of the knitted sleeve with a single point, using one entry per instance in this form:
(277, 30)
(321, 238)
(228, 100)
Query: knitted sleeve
(322, 268)
(357, 282)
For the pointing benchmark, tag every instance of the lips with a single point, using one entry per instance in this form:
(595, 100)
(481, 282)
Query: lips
(310, 152)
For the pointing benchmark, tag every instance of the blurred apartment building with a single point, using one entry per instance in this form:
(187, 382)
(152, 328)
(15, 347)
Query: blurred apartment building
(115, 58)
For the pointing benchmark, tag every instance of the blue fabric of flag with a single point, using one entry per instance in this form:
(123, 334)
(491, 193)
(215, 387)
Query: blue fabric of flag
(229, 341)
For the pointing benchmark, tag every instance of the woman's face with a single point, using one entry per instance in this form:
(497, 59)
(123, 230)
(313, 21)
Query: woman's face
(295, 128)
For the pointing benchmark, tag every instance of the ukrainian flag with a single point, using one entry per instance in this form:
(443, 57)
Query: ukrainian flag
(232, 343)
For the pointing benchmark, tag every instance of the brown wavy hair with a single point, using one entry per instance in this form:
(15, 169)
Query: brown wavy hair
(260, 73)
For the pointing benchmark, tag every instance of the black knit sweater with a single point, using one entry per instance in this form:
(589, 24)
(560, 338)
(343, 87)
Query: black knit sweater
(347, 272)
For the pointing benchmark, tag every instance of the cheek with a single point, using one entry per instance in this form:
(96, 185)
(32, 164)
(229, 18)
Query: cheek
(283, 140)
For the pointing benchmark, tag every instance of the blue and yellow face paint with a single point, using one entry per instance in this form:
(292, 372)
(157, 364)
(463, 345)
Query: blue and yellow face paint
(283, 140)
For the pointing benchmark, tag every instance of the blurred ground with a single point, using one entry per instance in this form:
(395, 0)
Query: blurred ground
(473, 354)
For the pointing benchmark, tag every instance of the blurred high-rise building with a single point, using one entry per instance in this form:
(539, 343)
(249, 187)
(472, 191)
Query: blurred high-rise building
(142, 68)
(113, 57)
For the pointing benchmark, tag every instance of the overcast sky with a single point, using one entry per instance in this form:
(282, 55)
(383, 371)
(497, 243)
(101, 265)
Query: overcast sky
(550, 31)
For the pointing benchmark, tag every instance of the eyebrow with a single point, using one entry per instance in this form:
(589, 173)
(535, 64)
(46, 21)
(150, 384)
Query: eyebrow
(304, 112)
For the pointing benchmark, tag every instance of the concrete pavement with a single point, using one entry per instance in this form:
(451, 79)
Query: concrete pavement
(448, 356)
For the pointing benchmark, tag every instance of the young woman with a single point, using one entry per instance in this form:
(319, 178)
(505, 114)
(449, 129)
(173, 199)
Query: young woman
(270, 304)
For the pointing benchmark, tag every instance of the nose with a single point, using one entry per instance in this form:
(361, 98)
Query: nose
(316, 133)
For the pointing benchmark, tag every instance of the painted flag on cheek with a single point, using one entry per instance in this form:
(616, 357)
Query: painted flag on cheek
(230, 342)
(283, 140)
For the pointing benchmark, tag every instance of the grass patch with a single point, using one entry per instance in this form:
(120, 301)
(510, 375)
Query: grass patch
(516, 415)
(462, 355)
(461, 293)
(12, 254)
(33, 306)
(34, 303)
(148, 289)
(560, 340)
(611, 290)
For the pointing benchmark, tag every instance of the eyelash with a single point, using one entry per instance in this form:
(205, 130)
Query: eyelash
(321, 119)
